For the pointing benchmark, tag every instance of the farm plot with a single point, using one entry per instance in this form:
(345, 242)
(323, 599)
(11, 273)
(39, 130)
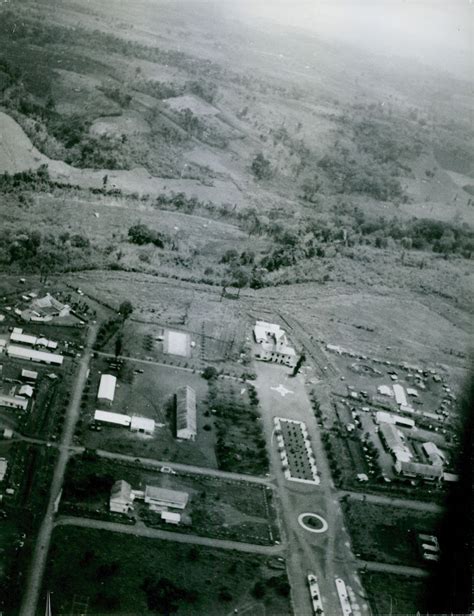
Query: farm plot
(148, 391)
(224, 509)
(396, 593)
(295, 451)
(134, 575)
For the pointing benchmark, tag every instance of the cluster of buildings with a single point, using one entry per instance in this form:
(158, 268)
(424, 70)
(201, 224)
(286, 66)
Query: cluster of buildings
(43, 309)
(159, 500)
(185, 403)
(396, 443)
(105, 396)
(273, 344)
(20, 396)
(28, 347)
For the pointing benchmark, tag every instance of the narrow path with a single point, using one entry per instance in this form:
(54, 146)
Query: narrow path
(389, 568)
(403, 503)
(185, 468)
(153, 533)
(40, 554)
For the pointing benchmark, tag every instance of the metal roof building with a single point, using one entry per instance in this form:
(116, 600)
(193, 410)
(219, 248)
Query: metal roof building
(121, 498)
(107, 388)
(186, 427)
(13, 402)
(142, 425)
(18, 352)
(400, 396)
(415, 469)
(19, 336)
(29, 375)
(118, 419)
(160, 497)
(395, 442)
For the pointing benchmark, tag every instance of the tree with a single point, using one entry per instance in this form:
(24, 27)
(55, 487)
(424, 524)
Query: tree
(258, 591)
(311, 188)
(261, 167)
(209, 373)
(125, 309)
(118, 345)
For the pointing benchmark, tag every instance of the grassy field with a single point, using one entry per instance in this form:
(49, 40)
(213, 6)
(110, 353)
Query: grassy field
(395, 594)
(387, 534)
(217, 508)
(115, 570)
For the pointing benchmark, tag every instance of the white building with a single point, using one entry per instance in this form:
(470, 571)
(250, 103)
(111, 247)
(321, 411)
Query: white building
(383, 416)
(3, 468)
(385, 390)
(13, 402)
(142, 425)
(171, 517)
(121, 497)
(160, 498)
(274, 345)
(400, 395)
(43, 357)
(107, 386)
(26, 390)
(17, 335)
(116, 419)
(434, 454)
(415, 470)
(186, 426)
(29, 375)
(394, 441)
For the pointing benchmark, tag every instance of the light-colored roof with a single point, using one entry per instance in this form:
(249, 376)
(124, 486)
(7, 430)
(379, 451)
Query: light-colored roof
(107, 387)
(26, 390)
(142, 423)
(3, 468)
(13, 401)
(395, 442)
(172, 497)
(113, 418)
(29, 374)
(23, 338)
(42, 356)
(262, 329)
(121, 491)
(170, 516)
(422, 470)
(400, 396)
(186, 409)
(383, 416)
(385, 390)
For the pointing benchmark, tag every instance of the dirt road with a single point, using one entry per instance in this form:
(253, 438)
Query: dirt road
(40, 554)
(140, 530)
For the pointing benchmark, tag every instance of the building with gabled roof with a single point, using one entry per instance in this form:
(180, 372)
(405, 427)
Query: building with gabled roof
(395, 442)
(13, 402)
(116, 419)
(121, 497)
(29, 375)
(142, 425)
(186, 423)
(161, 498)
(106, 391)
(43, 357)
(417, 470)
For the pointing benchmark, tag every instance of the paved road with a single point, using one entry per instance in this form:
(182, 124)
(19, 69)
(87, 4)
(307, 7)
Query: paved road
(378, 499)
(140, 530)
(185, 468)
(389, 568)
(38, 563)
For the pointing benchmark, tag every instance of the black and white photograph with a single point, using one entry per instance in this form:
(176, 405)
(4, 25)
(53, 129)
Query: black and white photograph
(236, 307)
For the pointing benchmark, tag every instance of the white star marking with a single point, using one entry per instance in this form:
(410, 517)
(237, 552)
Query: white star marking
(282, 390)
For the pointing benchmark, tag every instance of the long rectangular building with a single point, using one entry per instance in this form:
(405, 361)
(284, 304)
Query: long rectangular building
(186, 426)
(42, 357)
(116, 419)
(107, 386)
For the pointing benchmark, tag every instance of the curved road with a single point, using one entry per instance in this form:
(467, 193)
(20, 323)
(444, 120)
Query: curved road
(40, 554)
(140, 530)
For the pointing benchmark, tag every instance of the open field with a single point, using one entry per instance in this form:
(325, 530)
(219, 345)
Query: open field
(218, 508)
(396, 593)
(196, 580)
(386, 534)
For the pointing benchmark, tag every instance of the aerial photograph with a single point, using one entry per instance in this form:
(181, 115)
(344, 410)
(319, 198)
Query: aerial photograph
(236, 307)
